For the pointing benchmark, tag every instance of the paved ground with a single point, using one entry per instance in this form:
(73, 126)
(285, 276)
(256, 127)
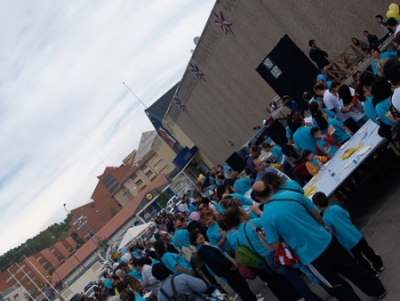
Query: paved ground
(375, 209)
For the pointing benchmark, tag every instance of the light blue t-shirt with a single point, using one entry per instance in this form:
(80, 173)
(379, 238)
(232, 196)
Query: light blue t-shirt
(215, 236)
(340, 135)
(383, 55)
(287, 216)
(243, 185)
(136, 274)
(138, 297)
(326, 147)
(181, 238)
(382, 109)
(338, 219)
(369, 109)
(231, 236)
(272, 170)
(289, 133)
(303, 140)
(242, 198)
(171, 260)
(255, 245)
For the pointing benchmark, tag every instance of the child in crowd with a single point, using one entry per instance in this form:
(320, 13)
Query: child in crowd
(338, 220)
(325, 144)
(314, 162)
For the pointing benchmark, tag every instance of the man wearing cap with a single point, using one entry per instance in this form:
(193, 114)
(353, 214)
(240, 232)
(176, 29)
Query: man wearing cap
(317, 55)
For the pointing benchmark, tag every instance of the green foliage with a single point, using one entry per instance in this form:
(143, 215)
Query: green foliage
(163, 197)
(41, 241)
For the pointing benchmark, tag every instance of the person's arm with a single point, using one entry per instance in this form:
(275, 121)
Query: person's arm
(311, 169)
(221, 242)
(196, 285)
(183, 270)
(315, 214)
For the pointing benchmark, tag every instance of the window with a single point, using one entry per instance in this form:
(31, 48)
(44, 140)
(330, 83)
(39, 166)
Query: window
(155, 167)
(104, 219)
(97, 210)
(53, 250)
(162, 161)
(44, 263)
(167, 168)
(39, 257)
(134, 187)
(151, 161)
(139, 172)
(140, 182)
(9, 279)
(133, 177)
(157, 155)
(129, 181)
(149, 173)
(106, 179)
(144, 178)
(144, 167)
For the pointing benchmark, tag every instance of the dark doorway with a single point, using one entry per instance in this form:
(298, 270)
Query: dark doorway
(288, 70)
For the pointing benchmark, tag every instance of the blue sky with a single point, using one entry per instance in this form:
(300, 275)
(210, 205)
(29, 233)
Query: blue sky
(63, 108)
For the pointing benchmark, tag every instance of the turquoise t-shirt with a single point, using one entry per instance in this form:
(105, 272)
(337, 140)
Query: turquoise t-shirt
(242, 198)
(287, 216)
(382, 109)
(369, 109)
(303, 140)
(136, 274)
(340, 135)
(181, 238)
(231, 236)
(289, 133)
(326, 147)
(215, 236)
(338, 219)
(139, 297)
(243, 185)
(171, 260)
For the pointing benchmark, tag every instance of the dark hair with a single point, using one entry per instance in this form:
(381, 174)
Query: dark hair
(141, 248)
(345, 94)
(170, 226)
(381, 89)
(319, 86)
(160, 271)
(306, 96)
(287, 148)
(320, 199)
(322, 123)
(310, 42)
(380, 17)
(313, 107)
(229, 201)
(367, 78)
(247, 171)
(314, 130)
(306, 153)
(269, 179)
(391, 21)
(221, 190)
(193, 236)
(374, 47)
(159, 247)
(121, 286)
(391, 69)
(357, 41)
(127, 295)
(365, 31)
(141, 261)
(334, 84)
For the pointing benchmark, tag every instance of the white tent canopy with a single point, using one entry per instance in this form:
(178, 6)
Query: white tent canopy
(132, 233)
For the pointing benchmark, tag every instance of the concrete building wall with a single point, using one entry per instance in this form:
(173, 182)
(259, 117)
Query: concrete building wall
(231, 97)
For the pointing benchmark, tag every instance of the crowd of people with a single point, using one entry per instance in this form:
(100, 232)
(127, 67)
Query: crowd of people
(199, 248)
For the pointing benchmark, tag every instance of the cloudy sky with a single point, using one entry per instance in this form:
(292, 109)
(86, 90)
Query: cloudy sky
(64, 112)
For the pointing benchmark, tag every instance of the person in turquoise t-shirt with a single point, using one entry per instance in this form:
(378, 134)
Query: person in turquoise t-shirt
(293, 218)
(338, 220)
(215, 234)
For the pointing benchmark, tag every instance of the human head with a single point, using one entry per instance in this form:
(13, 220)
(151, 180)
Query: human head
(288, 150)
(263, 190)
(356, 75)
(392, 23)
(319, 89)
(208, 217)
(160, 271)
(161, 247)
(312, 43)
(374, 51)
(306, 96)
(258, 165)
(196, 237)
(267, 147)
(381, 89)
(132, 283)
(308, 155)
(228, 201)
(255, 151)
(355, 41)
(316, 133)
(127, 295)
(379, 18)
(392, 70)
(320, 200)
(147, 244)
(366, 80)
(366, 33)
(334, 88)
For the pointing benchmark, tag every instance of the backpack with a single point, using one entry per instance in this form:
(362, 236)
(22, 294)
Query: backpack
(248, 257)
(176, 296)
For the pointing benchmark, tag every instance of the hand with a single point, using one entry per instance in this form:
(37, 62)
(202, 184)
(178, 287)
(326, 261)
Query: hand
(328, 229)
(255, 209)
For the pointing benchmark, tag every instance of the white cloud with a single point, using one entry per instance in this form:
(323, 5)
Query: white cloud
(63, 108)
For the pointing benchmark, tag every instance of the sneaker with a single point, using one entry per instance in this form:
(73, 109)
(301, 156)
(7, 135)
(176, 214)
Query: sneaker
(259, 296)
(260, 299)
(383, 295)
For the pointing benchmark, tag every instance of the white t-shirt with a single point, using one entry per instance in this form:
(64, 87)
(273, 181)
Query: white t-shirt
(396, 97)
(328, 98)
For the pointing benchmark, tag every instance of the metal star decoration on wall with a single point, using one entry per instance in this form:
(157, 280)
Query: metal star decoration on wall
(179, 103)
(196, 71)
(224, 24)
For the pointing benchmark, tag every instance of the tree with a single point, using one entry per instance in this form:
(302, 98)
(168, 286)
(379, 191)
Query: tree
(163, 197)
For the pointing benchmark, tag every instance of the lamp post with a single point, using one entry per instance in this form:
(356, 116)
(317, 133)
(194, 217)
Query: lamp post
(88, 234)
(134, 95)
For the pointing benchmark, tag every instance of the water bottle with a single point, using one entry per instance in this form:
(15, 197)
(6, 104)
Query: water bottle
(334, 176)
